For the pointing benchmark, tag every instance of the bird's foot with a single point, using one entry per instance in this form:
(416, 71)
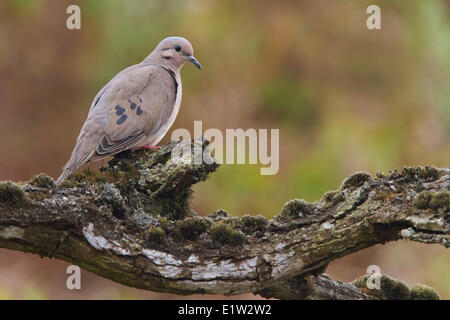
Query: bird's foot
(149, 147)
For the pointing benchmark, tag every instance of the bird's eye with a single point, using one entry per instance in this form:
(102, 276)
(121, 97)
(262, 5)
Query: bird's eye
(177, 48)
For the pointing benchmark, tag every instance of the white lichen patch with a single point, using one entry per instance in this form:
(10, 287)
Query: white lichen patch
(50, 203)
(327, 226)
(100, 243)
(161, 258)
(281, 262)
(193, 259)
(280, 246)
(12, 232)
(427, 223)
(407, 233)
(170, 271)
(181, 154)
(225, 269)
(110, 194)
(57, 201)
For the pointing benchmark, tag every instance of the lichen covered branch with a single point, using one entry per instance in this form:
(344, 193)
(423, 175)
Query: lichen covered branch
(131, 222)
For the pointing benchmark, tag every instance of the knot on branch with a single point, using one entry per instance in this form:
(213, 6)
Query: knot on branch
(145, 183)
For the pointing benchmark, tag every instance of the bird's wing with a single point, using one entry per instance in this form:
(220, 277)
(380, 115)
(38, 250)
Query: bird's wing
(137, 102)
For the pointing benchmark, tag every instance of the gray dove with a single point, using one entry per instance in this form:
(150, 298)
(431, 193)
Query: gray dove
(136, 108)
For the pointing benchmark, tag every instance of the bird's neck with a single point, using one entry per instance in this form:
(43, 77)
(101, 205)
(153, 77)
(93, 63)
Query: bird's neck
(160, 61)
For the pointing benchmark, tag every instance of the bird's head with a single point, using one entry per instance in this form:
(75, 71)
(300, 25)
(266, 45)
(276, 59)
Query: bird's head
(175, 52)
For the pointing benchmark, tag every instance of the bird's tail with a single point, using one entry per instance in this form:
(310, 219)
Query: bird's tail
(80, 155)
(65, 174)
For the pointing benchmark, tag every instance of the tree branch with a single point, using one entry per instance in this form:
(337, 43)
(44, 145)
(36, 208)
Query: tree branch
(131, 223)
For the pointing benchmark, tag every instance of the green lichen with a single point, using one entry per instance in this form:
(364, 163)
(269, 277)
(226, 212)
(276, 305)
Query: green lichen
(111, 195)
(191, 228)
(436, 201)
(156, 235)
(253, 222)
(384, 195)
(121, 171)
(219, 213)
(10, 193)
(361, 282)
(297, 208)
(423, 292)
(138, 176)
(427, 174)
(149, 182)
(390, 288)
(440, 200)
(423, 199)
(329, 196)
(43, 181)
(394, 289)
(355, 180)
(381, 174)
(174, 207)
(164, 223)
(223, 233)
(90, 176)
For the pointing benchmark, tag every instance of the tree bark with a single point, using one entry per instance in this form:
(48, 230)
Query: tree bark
(131, 223)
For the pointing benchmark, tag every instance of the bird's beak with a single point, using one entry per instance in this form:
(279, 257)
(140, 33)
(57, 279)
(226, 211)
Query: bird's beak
(194, 62)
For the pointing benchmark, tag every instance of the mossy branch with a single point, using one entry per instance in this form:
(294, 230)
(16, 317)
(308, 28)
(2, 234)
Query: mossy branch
(131, 222)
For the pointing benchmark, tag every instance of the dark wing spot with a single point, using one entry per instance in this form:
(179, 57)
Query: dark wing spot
(122, 119)
(140, 100)
(133, 106)
(139, 111)
(119, 110)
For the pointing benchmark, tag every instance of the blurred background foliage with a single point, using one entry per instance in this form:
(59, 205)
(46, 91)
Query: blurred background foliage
(344, 98)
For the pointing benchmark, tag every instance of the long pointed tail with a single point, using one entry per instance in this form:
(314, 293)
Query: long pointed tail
(80, 154)
(73, 164)
(65, 174)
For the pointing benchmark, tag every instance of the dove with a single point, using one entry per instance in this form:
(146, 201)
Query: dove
(136, 108)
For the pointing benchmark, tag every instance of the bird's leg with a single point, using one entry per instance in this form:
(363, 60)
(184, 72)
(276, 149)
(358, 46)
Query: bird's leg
(149, 147)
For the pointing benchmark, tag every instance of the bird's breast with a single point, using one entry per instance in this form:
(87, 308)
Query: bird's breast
(156, 137)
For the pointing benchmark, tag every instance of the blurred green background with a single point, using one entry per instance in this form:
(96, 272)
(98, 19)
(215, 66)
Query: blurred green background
(345, 98)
